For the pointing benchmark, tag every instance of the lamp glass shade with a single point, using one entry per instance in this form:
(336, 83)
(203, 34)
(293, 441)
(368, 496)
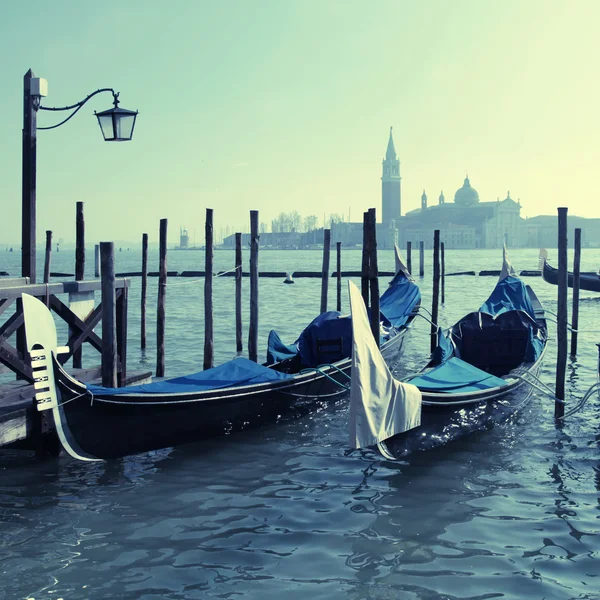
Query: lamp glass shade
(117, 124)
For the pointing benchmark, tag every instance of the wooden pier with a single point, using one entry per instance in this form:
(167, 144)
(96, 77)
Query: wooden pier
(20, 422)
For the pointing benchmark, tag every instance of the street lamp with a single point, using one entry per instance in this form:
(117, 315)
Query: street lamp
(116, 124)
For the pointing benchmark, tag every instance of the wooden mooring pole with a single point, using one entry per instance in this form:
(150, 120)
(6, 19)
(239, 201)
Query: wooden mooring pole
(109, 315)
(253, 329)
(443, 274)
(338, 249)
(435, 302)
(364, 271)
(48, 256)
(409, 257)
(421, 259)
(162, 296)
(374, 276)
(144, 289)
(97, 260)
(576, 284)
(208, 296)
(238, 293)
(79, 264)
(325, 269)
(561, 327)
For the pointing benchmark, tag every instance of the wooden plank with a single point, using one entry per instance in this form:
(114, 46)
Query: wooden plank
(238, 293)
(144, 289)
(82, 309)
(561, 326)
(253, 330)
(47, 256)
(7, 282)
(338, 250)
(325, 269)
(73, 321)
(576, 285)
(97, 260)
(364, 274)
(12, 324)
(435, 300)
(66, 287)
(121, 315)
(9, 356)
(374, 276)
(82, 305)
(109, 328)
(208, 292)
(162, 295)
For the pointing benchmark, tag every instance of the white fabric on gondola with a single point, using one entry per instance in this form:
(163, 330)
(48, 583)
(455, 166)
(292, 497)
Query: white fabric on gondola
(507, 268)
(380, 406)
(400, 264)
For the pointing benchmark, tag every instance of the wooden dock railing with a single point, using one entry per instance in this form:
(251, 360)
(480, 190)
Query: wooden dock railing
(80, 314)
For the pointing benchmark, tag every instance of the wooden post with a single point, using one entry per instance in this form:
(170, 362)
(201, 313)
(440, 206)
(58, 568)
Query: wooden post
(409, 257)
(338, 247)
(79, 265)
(325, 269)
(79, 243)
(576, 279)
(443, 274)
(29, 162)
(48, 256)
(374, 276)
(208, 285)
(162, 296)
(364, 272)
(421, 259)
(121, 310)
(97, 260)
(253, 330)
(561, 327)
(109, 320)
(435, 303)
(144, 289)
(238, 293)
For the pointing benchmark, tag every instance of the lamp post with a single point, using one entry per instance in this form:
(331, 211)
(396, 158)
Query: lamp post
(116, 124)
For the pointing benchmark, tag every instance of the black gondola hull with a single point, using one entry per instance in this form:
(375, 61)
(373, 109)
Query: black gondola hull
(115, 426)
(587, 281)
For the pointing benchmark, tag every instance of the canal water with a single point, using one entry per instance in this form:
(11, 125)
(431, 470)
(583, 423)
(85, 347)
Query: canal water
(288, 510)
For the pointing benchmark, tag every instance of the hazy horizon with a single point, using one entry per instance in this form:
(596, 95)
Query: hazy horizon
(282, 106)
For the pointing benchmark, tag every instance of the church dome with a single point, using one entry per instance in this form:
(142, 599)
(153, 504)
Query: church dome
(466, 195)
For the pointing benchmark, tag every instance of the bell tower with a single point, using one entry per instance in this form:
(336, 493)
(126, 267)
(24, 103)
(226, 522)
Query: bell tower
(390, 185)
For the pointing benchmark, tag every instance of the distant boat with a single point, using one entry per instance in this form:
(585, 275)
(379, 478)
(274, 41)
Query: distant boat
(288, 279)
(587, 281)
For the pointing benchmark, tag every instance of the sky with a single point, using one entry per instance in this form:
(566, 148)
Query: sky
(286, 105)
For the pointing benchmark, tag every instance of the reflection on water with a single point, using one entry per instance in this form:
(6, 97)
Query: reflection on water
(288, 510)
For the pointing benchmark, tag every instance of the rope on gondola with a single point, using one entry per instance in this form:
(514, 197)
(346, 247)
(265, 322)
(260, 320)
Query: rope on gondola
(542, 387)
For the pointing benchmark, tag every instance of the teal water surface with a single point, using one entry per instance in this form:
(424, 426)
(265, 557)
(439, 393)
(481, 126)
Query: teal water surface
(287, 509)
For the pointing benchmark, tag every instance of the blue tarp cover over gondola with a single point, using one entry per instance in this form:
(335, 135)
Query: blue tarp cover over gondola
(396, 306)
(509, 294)
(454, 376)
(234, 373)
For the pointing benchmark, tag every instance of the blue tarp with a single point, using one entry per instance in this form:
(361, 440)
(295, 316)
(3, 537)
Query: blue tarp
(396, 305)
(509, 294)
(399, 299)
(454, 376)
(234, 373)
(277, 350)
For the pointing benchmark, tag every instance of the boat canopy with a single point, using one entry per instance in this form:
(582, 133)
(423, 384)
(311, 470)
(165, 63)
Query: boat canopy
(234, 373)
(498, 337)
(328, 338)
(509, 294)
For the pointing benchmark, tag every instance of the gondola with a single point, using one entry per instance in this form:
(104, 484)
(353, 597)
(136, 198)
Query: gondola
(587, 281)
(477, 376)
(95, 422)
